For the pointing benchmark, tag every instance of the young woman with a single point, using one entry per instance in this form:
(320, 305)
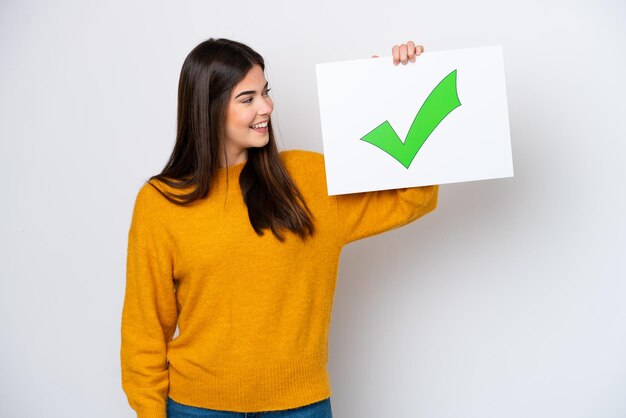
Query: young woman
(238, 245)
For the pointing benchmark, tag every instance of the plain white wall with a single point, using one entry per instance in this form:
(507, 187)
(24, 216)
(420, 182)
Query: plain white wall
(507, 301)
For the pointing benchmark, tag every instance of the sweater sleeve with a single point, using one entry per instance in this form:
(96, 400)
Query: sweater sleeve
(149, 317)
(361, 215)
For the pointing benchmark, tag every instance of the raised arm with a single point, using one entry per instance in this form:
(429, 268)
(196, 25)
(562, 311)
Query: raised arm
(360, 215)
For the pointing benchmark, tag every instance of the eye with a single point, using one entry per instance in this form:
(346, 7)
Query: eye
(250, 99)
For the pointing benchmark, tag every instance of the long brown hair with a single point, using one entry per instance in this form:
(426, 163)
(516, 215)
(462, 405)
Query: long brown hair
(208, 75)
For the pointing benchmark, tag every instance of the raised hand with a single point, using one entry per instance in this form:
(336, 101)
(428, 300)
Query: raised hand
(404, 53)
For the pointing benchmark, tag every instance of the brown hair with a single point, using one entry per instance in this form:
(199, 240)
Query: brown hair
(208, 75)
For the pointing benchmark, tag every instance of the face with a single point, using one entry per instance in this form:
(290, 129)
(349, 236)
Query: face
(249, 104)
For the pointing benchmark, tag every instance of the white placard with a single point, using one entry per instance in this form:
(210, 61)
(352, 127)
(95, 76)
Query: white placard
(461, 93)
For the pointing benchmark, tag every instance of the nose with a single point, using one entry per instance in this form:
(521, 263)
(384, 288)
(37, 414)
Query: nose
(266, 107)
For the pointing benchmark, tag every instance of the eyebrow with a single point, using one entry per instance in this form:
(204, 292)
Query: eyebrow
(251, 91)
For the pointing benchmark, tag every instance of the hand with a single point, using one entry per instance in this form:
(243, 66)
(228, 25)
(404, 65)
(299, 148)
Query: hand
(405, 52)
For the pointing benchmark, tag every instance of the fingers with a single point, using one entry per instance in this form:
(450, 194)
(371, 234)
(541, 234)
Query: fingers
(406, 52)
(403, 54)
(411, 50)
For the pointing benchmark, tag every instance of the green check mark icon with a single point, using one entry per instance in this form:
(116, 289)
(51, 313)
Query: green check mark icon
(439, 103)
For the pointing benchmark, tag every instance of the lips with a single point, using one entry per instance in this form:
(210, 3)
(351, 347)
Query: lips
(256, 125)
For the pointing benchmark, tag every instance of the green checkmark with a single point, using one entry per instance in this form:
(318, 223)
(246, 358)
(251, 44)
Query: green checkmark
(439, 103)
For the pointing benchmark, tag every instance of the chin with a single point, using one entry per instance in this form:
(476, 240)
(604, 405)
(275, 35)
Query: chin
(262, 143)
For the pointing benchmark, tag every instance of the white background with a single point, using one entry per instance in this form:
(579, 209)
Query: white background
(507, 301)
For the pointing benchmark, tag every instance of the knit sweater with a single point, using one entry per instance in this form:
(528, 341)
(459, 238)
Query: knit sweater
(253, 313)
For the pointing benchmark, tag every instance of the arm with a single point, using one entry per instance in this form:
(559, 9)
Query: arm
(149, 319)
(361, 215)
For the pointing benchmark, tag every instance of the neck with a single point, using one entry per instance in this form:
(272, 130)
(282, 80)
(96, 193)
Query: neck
(234, 158)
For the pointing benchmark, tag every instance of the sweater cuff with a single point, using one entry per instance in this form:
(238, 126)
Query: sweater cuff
(152, 413)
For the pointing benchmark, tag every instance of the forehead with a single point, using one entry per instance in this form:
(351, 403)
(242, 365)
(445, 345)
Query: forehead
(254, 80)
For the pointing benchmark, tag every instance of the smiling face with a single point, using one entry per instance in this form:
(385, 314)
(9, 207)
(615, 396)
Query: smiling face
(249, 105)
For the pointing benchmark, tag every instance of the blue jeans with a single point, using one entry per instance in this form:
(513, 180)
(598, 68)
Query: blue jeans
(320, 409)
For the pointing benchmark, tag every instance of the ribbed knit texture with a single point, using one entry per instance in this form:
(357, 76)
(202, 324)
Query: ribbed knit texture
(253, 313)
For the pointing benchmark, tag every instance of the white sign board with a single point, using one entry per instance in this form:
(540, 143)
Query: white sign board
(442, 119)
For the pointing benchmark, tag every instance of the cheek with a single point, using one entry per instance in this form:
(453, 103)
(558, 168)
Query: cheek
(238, 122)
(238, 119)
(246, 119)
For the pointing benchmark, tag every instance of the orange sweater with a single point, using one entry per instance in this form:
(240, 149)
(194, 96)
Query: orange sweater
(253, 313)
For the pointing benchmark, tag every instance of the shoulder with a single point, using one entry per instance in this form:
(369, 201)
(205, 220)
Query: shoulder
(307, 169)
(149, 200)
(148, 192)
(152, 212)
(304, 159)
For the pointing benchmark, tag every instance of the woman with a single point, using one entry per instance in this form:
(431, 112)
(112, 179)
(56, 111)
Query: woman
(253, 309)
